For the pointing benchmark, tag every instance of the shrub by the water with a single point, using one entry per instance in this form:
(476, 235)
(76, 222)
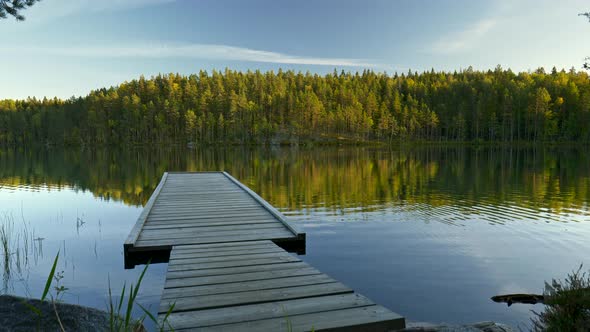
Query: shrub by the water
(567, 304)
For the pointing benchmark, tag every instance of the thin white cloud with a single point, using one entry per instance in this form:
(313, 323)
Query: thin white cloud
(464, 40)
(196, 51)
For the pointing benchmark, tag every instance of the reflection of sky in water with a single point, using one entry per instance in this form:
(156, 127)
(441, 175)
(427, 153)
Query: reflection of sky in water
(439, 264)
(442, 264)
(89, 234)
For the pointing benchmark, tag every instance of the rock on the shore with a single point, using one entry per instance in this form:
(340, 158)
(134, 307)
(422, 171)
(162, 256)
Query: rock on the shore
(16, 316)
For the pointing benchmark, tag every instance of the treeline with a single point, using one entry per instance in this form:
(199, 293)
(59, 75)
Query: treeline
(287, 107)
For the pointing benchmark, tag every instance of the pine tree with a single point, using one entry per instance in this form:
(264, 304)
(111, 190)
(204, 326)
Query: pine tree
(14, 7)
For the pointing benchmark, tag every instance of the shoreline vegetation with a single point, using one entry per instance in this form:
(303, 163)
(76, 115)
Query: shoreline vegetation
(293, 108)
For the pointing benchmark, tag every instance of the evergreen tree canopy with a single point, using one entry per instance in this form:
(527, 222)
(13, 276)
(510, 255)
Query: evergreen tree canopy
(13, 8)
(287, 106)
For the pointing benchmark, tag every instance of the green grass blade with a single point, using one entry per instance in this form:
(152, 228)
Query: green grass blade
(50, 278)
(129, 307)
(141, 278)
(133, 294)
(117, 314)
(165, 320)
(32, 308)
(111, 307)
(149, 314)
(121, 300)
(169, 311)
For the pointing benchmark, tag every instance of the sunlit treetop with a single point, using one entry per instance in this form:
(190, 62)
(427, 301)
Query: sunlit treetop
(13, 8)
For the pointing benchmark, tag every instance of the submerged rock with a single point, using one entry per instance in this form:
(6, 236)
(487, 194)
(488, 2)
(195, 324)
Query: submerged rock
(16, 316)
(477, 327)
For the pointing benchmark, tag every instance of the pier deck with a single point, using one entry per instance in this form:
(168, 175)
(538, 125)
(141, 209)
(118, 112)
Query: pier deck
(228, 269)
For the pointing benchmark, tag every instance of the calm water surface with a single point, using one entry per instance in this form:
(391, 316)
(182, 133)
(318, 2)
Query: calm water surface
(431, 233)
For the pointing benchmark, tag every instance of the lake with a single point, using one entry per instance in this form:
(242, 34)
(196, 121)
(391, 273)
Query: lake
(429, 232)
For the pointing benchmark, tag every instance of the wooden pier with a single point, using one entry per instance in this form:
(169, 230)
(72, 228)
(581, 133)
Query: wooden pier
(229, 269)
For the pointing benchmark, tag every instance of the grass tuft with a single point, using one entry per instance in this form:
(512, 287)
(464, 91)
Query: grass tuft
(120, 321)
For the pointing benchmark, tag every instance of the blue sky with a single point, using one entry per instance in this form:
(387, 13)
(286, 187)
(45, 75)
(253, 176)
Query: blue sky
(69, 47)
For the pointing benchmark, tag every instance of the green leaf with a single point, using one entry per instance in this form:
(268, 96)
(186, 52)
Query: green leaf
(111, 307)
(149, 314)
(32, 308)
(133, 294)
(165, 320)
(49, 278)
(121, 300)
(129, 307)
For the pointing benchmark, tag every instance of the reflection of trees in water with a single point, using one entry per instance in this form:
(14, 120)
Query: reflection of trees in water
(335, 179)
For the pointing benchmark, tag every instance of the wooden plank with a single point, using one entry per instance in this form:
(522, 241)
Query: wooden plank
(237, 277)
(212, 214)
(234, 270)
(252, 297)
(166, 244)
(192, 207)
(207, 231)
(188, 225)
(134, 234)
(204, 252)
(195, 203)
(190, 211)
(201, 187)
(190, 193)
(198, 261)
(204, 198)
(245, 286)
(196, 182)
(367, 318)
(213, 205)
(204, 219)
(221, 246)
(209, 204)
(227, 214)
(278, 309)
(202, 193)
(207, 228)
(157, 244)
(267, 206)
(231, 193)
(201, 183)
(229, 236)
(207, 200)
(208, 220)
(228, 264)
(209, 213)
(242, 252)
(161, 235)
(196, 216)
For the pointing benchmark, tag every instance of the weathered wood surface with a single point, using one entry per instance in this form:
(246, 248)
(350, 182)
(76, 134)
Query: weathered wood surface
(206, 207)
(257, 286)
(227, 270)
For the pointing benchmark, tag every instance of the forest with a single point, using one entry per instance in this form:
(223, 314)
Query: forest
(288, 107)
